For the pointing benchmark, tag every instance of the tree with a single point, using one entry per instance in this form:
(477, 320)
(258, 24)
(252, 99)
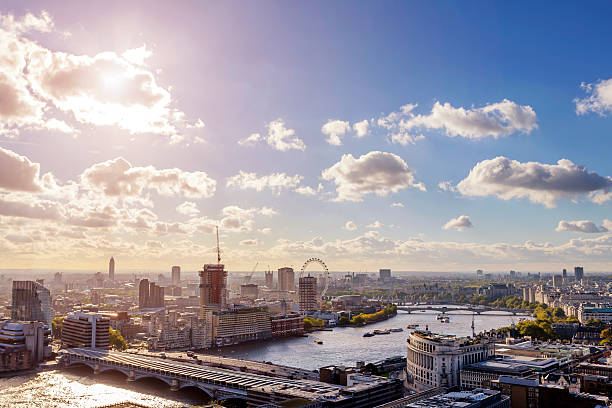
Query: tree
(56, 327)
(606, 336)
(594, 322)
(116, 340)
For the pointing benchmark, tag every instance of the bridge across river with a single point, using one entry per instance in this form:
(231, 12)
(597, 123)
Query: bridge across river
(472, 309)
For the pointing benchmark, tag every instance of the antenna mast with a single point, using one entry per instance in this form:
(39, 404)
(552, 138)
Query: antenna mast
(218, 249)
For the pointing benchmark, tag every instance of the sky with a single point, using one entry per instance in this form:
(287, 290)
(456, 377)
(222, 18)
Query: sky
(417, 136)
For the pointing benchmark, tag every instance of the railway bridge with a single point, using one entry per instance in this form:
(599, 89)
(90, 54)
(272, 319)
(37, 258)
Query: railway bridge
(471, 309)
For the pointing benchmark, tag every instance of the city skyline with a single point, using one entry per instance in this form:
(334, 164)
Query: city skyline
(380, 135)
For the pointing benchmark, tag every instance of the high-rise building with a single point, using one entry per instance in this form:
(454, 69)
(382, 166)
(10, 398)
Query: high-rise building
(286, 279)
(31, 302)
(111, 269)
(564, 273)
(249, 291)
(578, 273)
(556, 281)
(23, 345)
(307, 293)
(143, 294)
(57, 278)
(269, 279)
(176, 275)
(213, 283)
(81, 329)
(384, 274)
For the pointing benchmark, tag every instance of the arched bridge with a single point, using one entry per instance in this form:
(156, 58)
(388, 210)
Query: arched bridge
(472, 309)
(218, 383)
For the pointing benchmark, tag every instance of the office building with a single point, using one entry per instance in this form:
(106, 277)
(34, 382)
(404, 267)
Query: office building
(478, 398)
(213, 283)
(150, 295)
(239, 325)
(602, 313)
(564, 274)
(31, 302)
(436, 360)
(476, 375)
(23, 345)
(308, 294)
(286, 279)
(578, 273)
(111, 269)
(82, 329)
(249, 291)
(287, 325)
(384, 274)
(143, 293)
(176, 275)
(557, 281)
(269, 279)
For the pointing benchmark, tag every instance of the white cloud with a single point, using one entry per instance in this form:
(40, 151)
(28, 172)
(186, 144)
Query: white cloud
(584, 226)
(275, 181)
(282, 138)
(599, 98)
(493, 120)
(397, 205)
(102, 89)
(376, 172)
(460, 223)
(446, 186)
(265, 230)
(334, 129)
(361, 128)
(350, 226)
(250, 140)
(18, 173)
(188, 208)
(540, 183)
(117, 177)
(249, 242)
(375, 224)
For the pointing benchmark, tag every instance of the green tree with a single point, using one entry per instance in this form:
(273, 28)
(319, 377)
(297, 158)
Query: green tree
(56, 327)
(116, 340)
(594, 322)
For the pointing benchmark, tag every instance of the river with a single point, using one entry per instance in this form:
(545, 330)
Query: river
(342, 346)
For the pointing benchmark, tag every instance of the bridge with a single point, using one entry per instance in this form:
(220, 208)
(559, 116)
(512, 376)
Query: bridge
(472, 309)
(224, 383)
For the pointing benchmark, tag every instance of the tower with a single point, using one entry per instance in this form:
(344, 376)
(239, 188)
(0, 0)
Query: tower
(307, 293)
(269, 279)
(111, 269)
(31, 301)
(286, 279)
(176, 275)
(143, 294)
(213, 283)
(578, 273)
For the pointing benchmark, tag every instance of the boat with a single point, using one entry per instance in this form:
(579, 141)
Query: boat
(445, 319)
(318, 341)
(399, 329)
(412, 326)
(368, 334)
(377, 331)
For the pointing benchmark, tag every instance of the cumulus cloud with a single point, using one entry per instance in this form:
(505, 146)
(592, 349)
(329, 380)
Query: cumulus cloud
(584, 226)
(376, 172)
(334, 130)
(249, 242)
(540, 183)
(102, 89)
(361, 128)
(446, 186)
(397, 205)
(117, 177)
(18, 173)
(375, 224)
(283, 139)
(598, 99)
(275, 181)
(350, 226)
(460, 223)
(492, 120)
(188, 208)
(250, 140)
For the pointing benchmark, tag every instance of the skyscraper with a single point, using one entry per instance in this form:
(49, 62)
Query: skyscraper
(143, 294)
(213, 282)
(384, 274)
(31, 302)
(307, 293)
(269, 279)
(150, 295)
(111, 269)
(578, 273)
(286, 279)
(176, 275)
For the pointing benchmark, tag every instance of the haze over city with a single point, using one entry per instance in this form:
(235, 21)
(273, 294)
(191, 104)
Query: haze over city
(422, 137)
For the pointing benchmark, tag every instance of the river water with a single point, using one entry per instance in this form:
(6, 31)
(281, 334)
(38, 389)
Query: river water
(342, 346)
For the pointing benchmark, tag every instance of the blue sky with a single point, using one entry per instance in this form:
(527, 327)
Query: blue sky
(240, 66)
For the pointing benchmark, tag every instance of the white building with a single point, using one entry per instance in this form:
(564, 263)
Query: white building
(435, 360)
(602, 313)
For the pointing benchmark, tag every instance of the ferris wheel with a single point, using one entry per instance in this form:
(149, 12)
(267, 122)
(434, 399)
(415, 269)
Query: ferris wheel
(322, 277)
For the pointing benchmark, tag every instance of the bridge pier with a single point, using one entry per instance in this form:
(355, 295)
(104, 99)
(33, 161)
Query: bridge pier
(96, 369)
(132, 376)
(175, 385)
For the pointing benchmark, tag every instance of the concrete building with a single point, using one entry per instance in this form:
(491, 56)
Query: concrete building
(269, 279)
(23, 345)
(143, 294)
(176, 275)
(111, 269)
(557, 281)
(475, 375)
(602, 313)
(286, 279)
(82, 329)
(436, 360)
(287, 325)
(239, 325)
(308, 294)
(150, 295)
(249, 291)
(478, 398)
(578, 273)
(213, 284)
(384, 274)
(31, 301)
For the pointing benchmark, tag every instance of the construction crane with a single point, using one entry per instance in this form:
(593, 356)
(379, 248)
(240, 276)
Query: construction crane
(247, 279)
(218, 248)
